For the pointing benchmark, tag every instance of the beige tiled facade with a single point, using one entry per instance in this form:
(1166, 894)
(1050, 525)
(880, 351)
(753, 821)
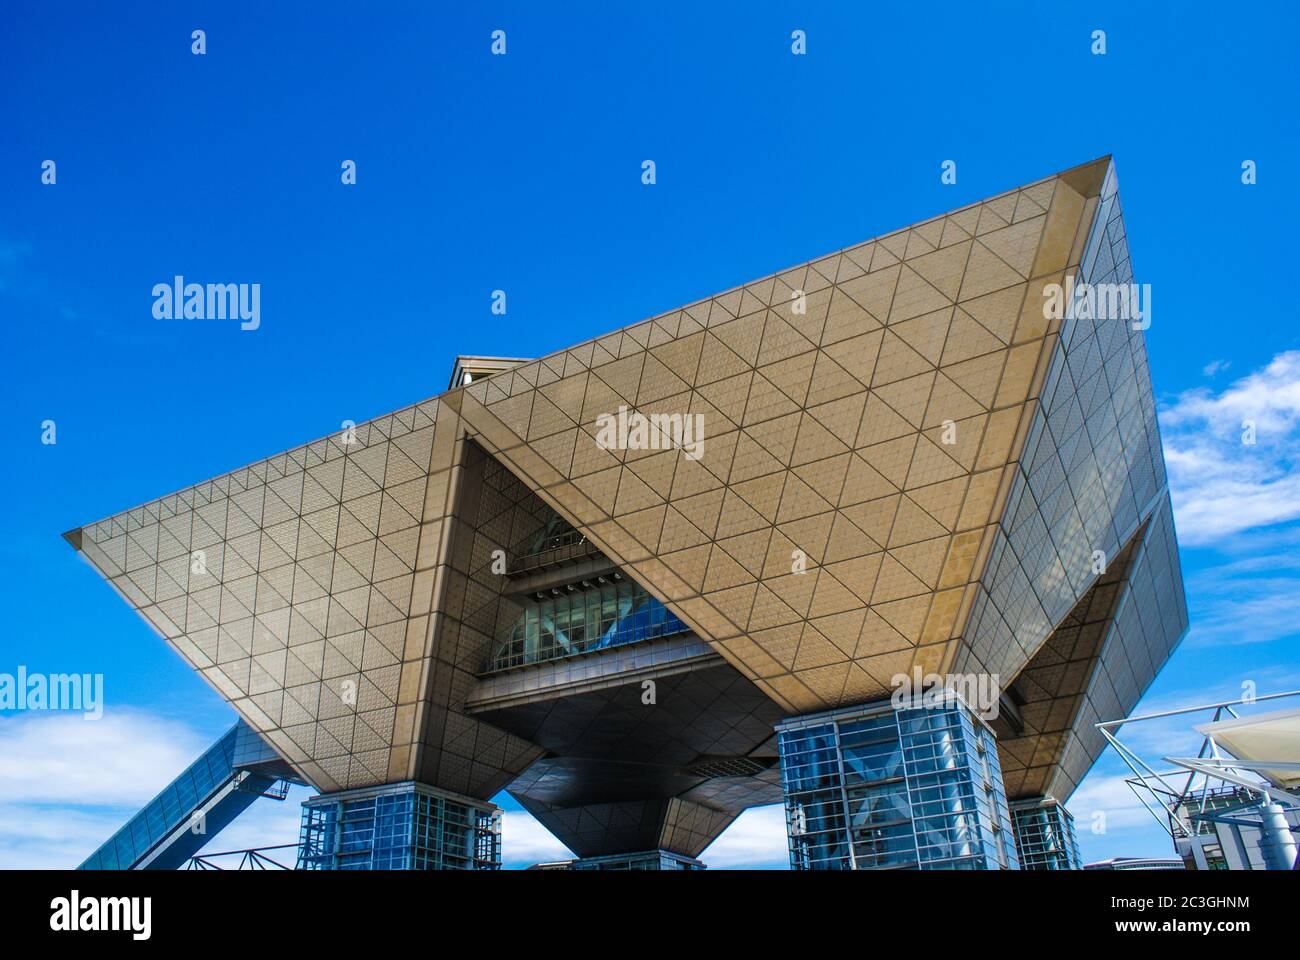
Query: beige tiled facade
(876, 433)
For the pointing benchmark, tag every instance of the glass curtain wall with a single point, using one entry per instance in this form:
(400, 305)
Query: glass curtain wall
(404, 827)
(609, 615)
(1045, 837)
(873, 788)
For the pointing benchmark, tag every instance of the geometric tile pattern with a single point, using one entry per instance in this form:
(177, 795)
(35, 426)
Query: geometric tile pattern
(896, 419)
(482, 508)
(825, 438)
(1049, 690)
(709, 711)
(613, 756)
(1150, 621)
(288, 586)
(1090, 476)
(675, 825)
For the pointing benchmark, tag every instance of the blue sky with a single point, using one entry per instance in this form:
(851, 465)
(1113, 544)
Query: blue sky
(522, 173)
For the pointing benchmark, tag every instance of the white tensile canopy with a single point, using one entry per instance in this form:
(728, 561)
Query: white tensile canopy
(1260, 739)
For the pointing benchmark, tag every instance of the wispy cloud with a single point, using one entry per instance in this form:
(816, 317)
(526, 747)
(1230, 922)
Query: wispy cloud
(1175, 736)
(756, 840)
(67, 784)
(123, 758)
(1109, 816)
(1254, 600)
(1250, 595)
(1220, 484)
(524, 841)
(1103, 805)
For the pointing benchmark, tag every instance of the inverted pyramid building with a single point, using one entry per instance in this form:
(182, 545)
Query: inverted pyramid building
(904, 462)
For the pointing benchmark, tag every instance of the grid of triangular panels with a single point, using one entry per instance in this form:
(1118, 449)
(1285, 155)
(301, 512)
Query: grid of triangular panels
(1096, 665)
(703, 742)
(830, 444)
(1151, 621)
(824, 438)
(488, 509)
(1049, 689)
(288, 585)
(631, 826)
(1091, 473)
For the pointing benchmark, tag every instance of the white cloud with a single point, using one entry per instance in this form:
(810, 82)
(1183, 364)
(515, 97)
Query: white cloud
(755, 840)
(1246, 601)
(1110, 821)
(123, 758)
(1250, 595)
(1220, 485)
(524, 841)
(67, 784)
(1176, 736)
(35, 837)
(1129, 829)
(1112, 798)
(1214, 366)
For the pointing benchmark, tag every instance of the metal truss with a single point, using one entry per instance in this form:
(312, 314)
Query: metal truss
(1178, 799)
(254, 858)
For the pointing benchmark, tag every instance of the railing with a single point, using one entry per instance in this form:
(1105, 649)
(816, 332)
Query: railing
(255, 858)
(562, 548)
(563, 539)
(544, 633)
(212, 791)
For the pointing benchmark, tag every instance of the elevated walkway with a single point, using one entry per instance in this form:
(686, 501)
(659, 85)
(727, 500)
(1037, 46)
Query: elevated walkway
(196, 806)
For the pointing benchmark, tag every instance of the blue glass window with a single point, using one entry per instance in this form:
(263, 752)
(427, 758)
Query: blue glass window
(610, 615)
(871, 788)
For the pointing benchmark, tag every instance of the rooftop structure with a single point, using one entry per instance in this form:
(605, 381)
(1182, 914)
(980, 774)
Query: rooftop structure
(1236, 804)
(1136, 863)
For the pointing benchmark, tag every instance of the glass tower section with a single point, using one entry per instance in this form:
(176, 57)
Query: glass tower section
(874, 788)
(1045, 836)
(403, 826)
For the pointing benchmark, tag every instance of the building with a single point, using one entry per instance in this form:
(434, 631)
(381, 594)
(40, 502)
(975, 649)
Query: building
(1235, 805)
(1136, 863)
(876, 787)
(1045, 835)
(679, 570)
